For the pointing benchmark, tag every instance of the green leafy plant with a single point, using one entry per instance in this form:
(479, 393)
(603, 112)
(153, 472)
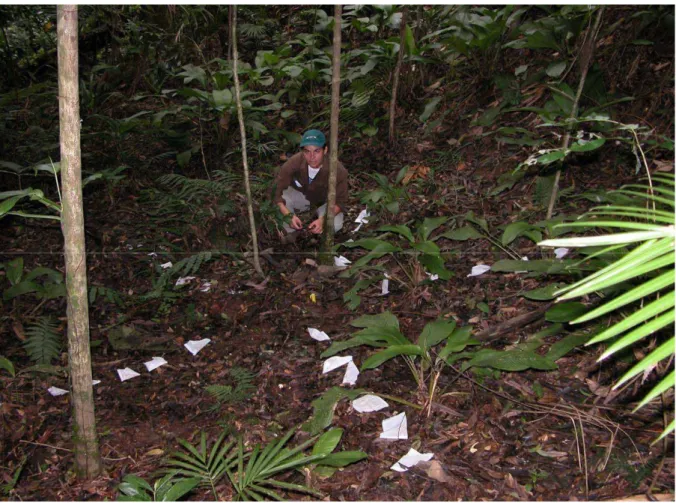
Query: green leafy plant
(134, 488)
(7, 365)
(251, 471)
(387, 195)
(643, 272)
(422, 246)
(43, 341)
(51, 285)
(242, 389)
(425, 364)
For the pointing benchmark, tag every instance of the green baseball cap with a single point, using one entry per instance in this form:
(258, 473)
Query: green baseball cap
(313, 137)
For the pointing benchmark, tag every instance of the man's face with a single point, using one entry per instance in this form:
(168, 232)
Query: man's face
(314, 155)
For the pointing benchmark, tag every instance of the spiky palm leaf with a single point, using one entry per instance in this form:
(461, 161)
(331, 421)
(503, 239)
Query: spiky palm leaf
(646, 272)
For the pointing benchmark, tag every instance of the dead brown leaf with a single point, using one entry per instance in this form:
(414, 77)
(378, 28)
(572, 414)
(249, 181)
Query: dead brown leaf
(435, 471)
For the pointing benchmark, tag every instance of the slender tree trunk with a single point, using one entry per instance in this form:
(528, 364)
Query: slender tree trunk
(326, 257)
(397, 71)
(586, 57)
(87, 457)
(231, 29)
(240, 116)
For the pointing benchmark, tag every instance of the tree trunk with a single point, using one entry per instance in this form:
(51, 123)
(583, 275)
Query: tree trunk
(240, 117)
(397, 71)
(327, 255)
(587, 53)
(231, 29)
(87, 457)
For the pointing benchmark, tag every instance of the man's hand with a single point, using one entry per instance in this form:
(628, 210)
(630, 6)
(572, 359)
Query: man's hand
(296, 223)
(317, 226)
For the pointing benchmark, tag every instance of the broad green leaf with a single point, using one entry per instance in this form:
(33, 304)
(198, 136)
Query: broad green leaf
(409, 40)
(14, 270)
(324, 406)
(21, 289)
(7, 365)
(54, 276)
(481, 222)
(427, 247)
(556, 68)
(386, 319)
(462, 234)
(551, 157)
(512, 361)
(545, 293)
(513, 231)
(328, 441)
(386, 354)
(184, 158)
(372, 244)
(344, 458)
(561, 313)
(435, 332)
(430, 108)
(8, 204)
(180, 488)
(565, 345)
(223, 97)
(429, 225)
(435, 265)
(587, 146)
(398, 229)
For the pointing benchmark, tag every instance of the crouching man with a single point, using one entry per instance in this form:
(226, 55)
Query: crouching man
(303, 182)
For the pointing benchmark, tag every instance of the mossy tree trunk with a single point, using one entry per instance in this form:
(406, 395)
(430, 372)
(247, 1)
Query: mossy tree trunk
(327, 256)
(87, 456)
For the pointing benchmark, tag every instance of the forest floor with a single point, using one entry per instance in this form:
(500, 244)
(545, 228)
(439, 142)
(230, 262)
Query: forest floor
(531, 435)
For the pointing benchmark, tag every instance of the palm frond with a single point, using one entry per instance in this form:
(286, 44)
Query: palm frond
(643, 273)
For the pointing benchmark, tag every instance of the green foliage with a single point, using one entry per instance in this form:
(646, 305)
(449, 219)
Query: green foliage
(642, 272)
(7, 365)
(324, 406)
(134, 488)
(242, 389)
(50, 286)
(108, 294)
(251, 471)
(166, 280)
(422, 247)
(382, 331)
(386, 196)
(43, 341)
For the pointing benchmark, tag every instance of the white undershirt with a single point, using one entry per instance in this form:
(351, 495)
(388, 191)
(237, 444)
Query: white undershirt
(312, 172)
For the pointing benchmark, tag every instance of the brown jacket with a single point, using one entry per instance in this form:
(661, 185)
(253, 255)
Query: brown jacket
(294, 173)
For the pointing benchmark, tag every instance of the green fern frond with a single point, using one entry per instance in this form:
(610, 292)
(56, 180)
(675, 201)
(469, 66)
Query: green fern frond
(243, 387)
(101, 292)
(43, 341)
(252, 30)
(190, 265)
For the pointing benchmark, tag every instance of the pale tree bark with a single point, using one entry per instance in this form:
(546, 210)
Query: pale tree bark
(327, 256)
(240, 117)
(397, 72)
(231, 29)
(586, 56)
(87, 456)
